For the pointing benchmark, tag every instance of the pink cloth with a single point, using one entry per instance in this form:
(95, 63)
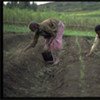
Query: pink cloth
(57, 42)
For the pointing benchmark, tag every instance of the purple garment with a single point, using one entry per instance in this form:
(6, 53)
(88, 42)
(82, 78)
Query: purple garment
(57, 41)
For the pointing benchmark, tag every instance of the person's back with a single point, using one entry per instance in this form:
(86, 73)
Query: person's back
(49, 26)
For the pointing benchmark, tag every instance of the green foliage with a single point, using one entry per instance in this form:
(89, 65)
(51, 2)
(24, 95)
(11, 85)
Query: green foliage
(25, 30)
(79, 33)
(16, 29)
(79, 18)
(88, 19)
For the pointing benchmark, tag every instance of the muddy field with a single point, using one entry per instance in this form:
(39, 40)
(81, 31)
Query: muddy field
(26, 74)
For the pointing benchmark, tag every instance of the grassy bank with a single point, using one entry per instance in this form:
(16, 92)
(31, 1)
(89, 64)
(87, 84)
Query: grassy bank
(82, 18)
(25, 30)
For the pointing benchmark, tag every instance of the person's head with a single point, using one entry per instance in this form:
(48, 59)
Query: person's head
(97, 30)
(33, 26)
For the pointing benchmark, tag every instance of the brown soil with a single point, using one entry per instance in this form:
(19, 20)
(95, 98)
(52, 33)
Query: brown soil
(26, 74)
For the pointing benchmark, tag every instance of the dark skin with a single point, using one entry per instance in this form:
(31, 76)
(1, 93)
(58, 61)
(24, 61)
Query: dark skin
(35, 38)
(98, 34)
(47, 29)
(33, 43)
(97, 30)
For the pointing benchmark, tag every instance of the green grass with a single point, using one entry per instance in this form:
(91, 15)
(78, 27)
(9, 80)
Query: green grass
(25, 30)
(77, 18)
(79, 33)
(82, 68)
(16, 29)
(83, 18)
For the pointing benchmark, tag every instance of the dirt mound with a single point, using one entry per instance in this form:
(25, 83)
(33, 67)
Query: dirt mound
(26, 74)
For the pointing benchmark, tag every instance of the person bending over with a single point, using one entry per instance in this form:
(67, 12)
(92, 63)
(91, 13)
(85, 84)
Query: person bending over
(52, 31)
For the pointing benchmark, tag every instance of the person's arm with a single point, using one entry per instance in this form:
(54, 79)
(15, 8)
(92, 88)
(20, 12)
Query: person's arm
(33, 43)
(95, 43)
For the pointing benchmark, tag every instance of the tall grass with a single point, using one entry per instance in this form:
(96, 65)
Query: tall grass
(16, 29)
(25, 30)
(81, 18)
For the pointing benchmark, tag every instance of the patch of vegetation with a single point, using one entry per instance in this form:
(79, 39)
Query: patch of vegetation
(80, 18)
(25, 30)
(15, 28)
